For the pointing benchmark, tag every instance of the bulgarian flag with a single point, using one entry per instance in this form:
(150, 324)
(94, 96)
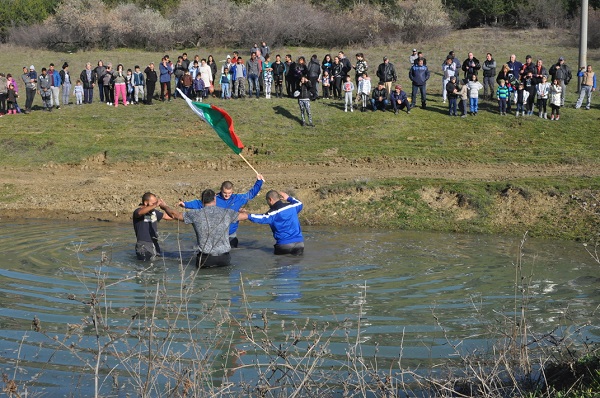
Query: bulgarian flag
(219, 120)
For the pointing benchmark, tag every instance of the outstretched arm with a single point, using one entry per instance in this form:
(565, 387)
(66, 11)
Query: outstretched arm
(170, 212)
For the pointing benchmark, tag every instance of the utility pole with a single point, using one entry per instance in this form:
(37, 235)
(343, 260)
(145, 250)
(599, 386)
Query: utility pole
(583, 39)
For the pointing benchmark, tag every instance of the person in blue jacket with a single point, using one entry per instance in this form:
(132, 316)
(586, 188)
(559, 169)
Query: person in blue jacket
(226, 199)
(282, 217)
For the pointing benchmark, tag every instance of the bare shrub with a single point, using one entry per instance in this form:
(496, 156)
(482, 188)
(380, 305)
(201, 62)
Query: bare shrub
(204, 22)
(423, 20)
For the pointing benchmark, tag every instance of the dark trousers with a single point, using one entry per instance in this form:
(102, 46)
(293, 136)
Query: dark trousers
(314, 94)
(290, 85)
(29, 96)
(295, 249)
(452, 106)
(88, 95)
(278, 81)
(150, 87)
(207, 260)
(109, 94)
(101, 91)
(337, 87)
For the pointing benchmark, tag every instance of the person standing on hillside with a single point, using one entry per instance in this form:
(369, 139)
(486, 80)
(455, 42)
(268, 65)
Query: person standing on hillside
(588, 85)
(282, 217)
(226, 199)
(45, 88)
(387, 73)
(151, 79)
(304, 101)
(515, 67)
(30, 80)
(166, 70)
(489, 74)
(448, 71)
(278, 73)
(100, 72)
(56, 83)
(561, 72)
(65, 77)
(471, 66)
(290, 81)
(418, 75)
(313, 71)
(88, 79)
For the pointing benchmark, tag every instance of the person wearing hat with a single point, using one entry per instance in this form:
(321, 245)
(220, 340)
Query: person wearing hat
(30, 80)
(399, 100)
(413, 57)
(379, 98)
(387, 73)
(418, 75)
(66, 83)
(527, 67)
(561, 72)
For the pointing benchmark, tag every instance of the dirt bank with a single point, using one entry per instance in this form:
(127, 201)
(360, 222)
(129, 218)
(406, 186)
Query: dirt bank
(97, 190)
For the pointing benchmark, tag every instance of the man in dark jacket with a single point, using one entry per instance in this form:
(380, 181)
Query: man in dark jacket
(418, 75)
(471, 66)
(387, 73)
(561, 71)
(515, 66)
(290, 80)
(313, 72)
(151, 79)
(379, 98)
(489, 74)
(88, 80)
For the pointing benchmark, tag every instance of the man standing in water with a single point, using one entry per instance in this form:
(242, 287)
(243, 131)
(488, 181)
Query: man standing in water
(145, 225)
(211, 224)
(283, 219)
(226, 199)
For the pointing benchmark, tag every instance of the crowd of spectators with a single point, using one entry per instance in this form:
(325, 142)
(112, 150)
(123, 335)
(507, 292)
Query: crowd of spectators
(336, 77)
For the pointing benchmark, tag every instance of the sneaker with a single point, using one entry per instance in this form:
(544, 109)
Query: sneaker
(351, 109)
(551, 117)
(408, 111)
(557, 117)
(346, 110)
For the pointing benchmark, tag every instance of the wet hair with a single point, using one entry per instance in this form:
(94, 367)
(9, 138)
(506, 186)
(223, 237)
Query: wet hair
(273, 194)
(146, 197)
(226, 185)
(208, 195)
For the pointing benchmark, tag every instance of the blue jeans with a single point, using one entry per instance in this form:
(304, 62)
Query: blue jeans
(422, 89)
(225, 92)
(474, 104)
(452, 106)
(253, 83)
(379, 104)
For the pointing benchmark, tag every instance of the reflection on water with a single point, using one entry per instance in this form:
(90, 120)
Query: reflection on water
(395, 282)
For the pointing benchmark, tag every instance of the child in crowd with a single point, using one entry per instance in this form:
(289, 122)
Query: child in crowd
(474, 87)
(78, 92)
(129, 82)
(521, 96)
(555, 99)
(543, 90)
(12, 81)
(348, 89)
(326, 84)
(107, 85)
(12, 99)
(503, 94)
(199, 87)
(364, 89)
(464, 97)
(452, 95)
(186, 83)
(225, 84)
(267, 76)
(529, 84)
(138, 85)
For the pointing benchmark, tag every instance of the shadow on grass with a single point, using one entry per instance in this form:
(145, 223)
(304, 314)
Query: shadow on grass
(280, 110)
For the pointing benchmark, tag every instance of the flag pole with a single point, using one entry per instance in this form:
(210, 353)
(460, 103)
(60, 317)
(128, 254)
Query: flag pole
(242, 156)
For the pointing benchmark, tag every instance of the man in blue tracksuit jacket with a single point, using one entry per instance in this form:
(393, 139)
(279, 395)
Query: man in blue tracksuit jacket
(226, 199)
(284, 222)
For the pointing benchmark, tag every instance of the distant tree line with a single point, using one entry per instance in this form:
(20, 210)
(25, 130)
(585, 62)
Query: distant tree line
(158, 24)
